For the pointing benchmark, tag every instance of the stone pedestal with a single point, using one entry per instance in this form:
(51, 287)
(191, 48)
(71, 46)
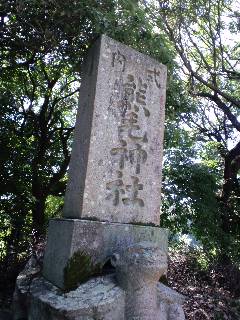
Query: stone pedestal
(97, 239)
(100, 298)
(38, 299)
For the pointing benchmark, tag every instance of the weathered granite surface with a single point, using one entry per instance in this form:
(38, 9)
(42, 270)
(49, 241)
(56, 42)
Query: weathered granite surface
(98, 239)
(115, 167)
(37, 299)
(138, 270)
(98, 299)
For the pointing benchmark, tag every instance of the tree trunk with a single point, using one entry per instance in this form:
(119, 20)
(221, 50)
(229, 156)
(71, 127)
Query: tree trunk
(38, 216)
(229, 219)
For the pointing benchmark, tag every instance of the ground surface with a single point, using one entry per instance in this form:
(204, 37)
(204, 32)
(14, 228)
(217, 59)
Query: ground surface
(212, 294)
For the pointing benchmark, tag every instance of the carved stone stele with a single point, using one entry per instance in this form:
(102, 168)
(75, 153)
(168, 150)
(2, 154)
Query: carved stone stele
(115, 166)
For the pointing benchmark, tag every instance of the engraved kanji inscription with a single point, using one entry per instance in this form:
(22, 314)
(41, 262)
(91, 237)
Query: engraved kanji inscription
(131, 95)
(154, 75)
(118, 61)
(129, 88)
(132, 192)
(116, 96)
(137, 156)
(121, 153)
(115, 189)
(130, 128)
(141, 97)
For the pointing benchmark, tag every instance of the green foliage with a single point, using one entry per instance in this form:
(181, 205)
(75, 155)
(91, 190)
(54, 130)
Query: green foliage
(201, 196)
(54, 207)
(79, 269)
(189, 192)
(191, 181)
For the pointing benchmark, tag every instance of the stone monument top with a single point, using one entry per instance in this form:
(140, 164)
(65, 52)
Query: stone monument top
(115, 167)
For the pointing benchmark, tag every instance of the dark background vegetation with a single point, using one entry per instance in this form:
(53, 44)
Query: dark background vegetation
(42, 45)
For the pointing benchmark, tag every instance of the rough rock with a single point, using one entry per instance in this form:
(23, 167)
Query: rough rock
(37, 299)
(100, 298)
(138, 269)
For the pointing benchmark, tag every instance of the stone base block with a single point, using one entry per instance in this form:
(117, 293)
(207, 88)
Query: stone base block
(97, 239)
(98, 299)
(37, 299)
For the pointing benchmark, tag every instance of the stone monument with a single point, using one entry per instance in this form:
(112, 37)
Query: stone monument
(111, 212)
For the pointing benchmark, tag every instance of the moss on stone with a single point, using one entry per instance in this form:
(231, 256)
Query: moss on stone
(79, 269)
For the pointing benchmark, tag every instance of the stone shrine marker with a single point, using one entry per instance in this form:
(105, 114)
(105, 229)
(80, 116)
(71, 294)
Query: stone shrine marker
(115, 167)
(113, 194)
